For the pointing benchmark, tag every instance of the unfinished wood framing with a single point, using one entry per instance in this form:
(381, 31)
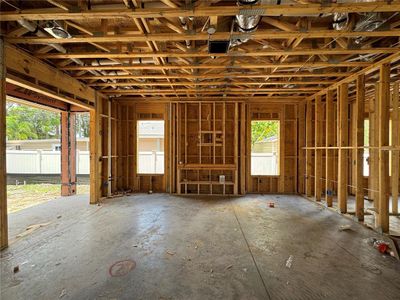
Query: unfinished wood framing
(309, 151)
(395, 176)
(318, 152)
(359, 143)
(330, 142)
(3, 134)
(68, 154)
(383, 124)
(320, 83)
(343, 152)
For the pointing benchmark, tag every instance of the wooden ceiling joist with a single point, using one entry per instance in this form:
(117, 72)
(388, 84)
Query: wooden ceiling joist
(219, 76)
(218, 66)
(23, 63)
(141, 47)
(162, 37)
(202, 11)
(289, 52)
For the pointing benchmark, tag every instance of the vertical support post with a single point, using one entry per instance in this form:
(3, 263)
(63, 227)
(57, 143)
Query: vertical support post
(282, 141)
(373, 152)
(395, 153)
(242, 148)
(68, 153)
(343, 142)
(330, 140)
(301, 151)
(109, 149)
(309, 181)
(383, 125)
(3, 174)
(318, 152)
(359, 106)
(95, 146)
(236, 149)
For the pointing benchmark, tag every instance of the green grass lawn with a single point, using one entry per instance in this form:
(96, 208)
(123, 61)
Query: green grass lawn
(23, 196)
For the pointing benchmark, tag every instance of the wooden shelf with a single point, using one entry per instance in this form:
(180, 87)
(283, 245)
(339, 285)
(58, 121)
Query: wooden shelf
(209, 144)
(207, 167)
(207, 182)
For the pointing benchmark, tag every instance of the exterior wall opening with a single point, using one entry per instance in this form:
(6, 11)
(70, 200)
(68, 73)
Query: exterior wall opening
(265, 147)
(150, 147)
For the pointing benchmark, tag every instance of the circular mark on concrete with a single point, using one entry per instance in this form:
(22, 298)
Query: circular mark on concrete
(121, 268)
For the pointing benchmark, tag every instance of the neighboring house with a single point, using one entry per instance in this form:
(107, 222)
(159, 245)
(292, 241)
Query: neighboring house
(268, 145)
(151, 136)
(82, 144)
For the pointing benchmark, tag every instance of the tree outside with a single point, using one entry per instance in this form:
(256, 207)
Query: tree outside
(262, 130)
(29, 123)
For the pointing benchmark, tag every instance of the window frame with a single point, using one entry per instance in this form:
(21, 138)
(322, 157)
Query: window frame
(137, 146)
(278, 166)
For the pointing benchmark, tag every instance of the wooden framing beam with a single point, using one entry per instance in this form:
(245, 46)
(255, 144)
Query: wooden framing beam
(95, 151)
(359, 142)
(211, 83)
(289, 52)
(396, 143)
(201, 11)
(343, 142)
(216, 66)
(218, 76)
(162, 37)
(309, 139)
(257, 99)
(318, 152)
(68, 153)
(330, 142)
(373, 67)
(383, 127)
(302, 143)
(27, 65)
(47, 92)
(3, 174)
(374, 152)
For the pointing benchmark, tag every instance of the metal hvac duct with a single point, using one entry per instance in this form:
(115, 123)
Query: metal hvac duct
(35, 28)
(246, 23)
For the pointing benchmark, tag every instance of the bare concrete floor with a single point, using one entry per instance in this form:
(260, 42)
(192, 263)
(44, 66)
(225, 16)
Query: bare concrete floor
(193, 248)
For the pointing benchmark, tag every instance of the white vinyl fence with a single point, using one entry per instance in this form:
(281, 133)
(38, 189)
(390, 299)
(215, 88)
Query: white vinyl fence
(151, 162)
(267, 164)
(49, 162)
(264, 164)
(43, 162)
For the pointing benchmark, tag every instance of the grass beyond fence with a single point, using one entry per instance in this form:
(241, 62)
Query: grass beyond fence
(24, 196)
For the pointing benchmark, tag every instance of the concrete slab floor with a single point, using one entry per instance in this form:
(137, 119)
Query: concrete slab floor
(193, 248)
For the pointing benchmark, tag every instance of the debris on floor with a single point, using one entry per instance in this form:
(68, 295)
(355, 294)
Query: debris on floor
(289, 262)
(170, 252)
(16, 269)
(31, 229)
(344, 227)
(228, 267)
(63, 293)
(382, 246)
(271, 204)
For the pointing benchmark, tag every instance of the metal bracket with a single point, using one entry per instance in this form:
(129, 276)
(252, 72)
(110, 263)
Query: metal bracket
(251, 11)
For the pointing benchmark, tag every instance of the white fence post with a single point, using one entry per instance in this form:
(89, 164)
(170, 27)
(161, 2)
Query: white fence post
(39, 161)
(154, 158)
